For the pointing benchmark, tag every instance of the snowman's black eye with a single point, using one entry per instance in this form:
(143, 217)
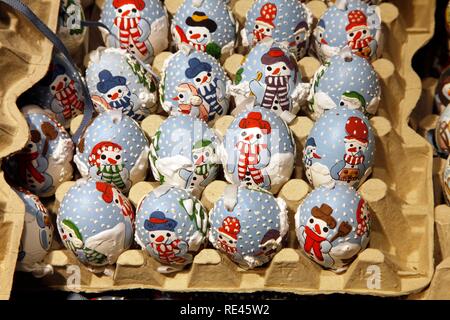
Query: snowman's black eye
(198, 79)
(109, 96)
(120, 91)
(116, 201)
(103, 157)
(65, 78)
(53, 87)
(220, 236)
(359, 148)
(297, 38)
(269, 68)
(30, 145)
(268, 30)
(311, 220)
(351, 144)
(341, 103)
(364, 31)
(190, 31)
(118, 157)
(230, 242)
(256, 27)
(120, 10)
(352, 34)
(152, 235)
(205, 35)
(181, 96)
(134, 10)
(243, 133)
(70, 235)
(284, 68)
(209, 74)
(325, 229)
(167, 234)
(258, 136)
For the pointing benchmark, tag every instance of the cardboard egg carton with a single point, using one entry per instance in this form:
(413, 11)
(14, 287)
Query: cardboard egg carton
(23, 62)
(399, 259)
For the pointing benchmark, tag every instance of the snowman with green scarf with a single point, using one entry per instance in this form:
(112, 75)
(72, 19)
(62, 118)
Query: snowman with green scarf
(353, 100)
(203, 155)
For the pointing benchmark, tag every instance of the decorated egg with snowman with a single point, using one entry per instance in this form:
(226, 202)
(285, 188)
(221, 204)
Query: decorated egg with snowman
(205, 25)
(248, 225)
(45, 161)
(194, 84)
(333, 225)
(95, 223)
(258, 150)
(171, 225)
(138, 26)
(113, 149)
(282, 21)
(340, 147)
(442, 94)
(183, 153)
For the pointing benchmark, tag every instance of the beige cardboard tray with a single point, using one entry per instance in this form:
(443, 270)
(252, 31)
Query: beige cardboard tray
(400, 194)
(23, 63)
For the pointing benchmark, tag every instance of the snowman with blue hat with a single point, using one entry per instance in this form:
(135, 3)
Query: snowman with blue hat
(115, 91)
(210, 88)
(164, 244)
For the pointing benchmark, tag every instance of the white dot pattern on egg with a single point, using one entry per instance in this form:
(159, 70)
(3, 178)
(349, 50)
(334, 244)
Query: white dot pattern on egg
(204, 25)
(141, 26)
(258, 150)
(268, 77)
(171, 225)
(281, 20)
(37, 234)
(358, 26)
(45, 161)
(333, 225)
(113, 149)
(194, 84)
(117, 81)
(340, 147)
(183, 153)
(253, 231)
(95, 222)
(348, 81)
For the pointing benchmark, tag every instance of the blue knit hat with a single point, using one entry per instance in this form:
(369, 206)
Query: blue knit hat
(108, 81)
(159, 221)
(310, 142)
(195, 67)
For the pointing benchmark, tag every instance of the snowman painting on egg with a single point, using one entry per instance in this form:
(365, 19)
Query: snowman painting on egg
(358, 34)
(264, 24)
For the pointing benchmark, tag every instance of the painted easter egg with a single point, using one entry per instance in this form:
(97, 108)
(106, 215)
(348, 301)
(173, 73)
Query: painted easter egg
(58, 91)
(95, 222)
(139, 26)
(346, 80)
(70, 30)
(117, 81)
(340, 147)
(205, 25)
(352, 23)
(333, 225)
(258, 150)
(283, 21)
(249, 225)
(442, 93)
(442, 133)
(37, 235)
(171, 225)
(183, 153)
(113, 149)
(44, 163)
(194, 84)
(269, 78)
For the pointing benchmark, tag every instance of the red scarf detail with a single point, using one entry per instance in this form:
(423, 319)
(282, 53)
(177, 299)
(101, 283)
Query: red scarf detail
(128, 28)
(353, 160)
(313, 241)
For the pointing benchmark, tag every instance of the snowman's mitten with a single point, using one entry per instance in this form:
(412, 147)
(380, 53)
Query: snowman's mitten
(145, 28)
(325, 246)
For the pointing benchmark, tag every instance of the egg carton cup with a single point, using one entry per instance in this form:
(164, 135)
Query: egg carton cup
(23, 63)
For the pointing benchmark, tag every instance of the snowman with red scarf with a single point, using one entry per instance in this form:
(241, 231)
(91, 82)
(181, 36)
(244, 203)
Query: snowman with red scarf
(131, 29)
(227, 236)
(264, 24)
(358, 34)
(164, 244)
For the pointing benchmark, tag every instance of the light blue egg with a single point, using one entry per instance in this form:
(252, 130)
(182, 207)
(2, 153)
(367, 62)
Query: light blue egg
(44, 163)
(205, 25)
(37, 234)
(340, 147)
(269, 77)
(355, 24)
(194, 84)
(95, 222)
(171, 225)
(117, 81)
(333, 225)
(348, 81)
(141, 26)
(442, 133)
(113, 149)
(258, 150)
(251, 232)
(183, 153)
(58, 91)
(284, 21)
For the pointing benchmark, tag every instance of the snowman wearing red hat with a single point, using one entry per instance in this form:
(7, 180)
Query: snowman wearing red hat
(106, 163)
(253, 155)
(227, 235)
(164, 244)
(131, 29)
(274, 92)
(352, 167)
(358, 34)
(264, 24)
